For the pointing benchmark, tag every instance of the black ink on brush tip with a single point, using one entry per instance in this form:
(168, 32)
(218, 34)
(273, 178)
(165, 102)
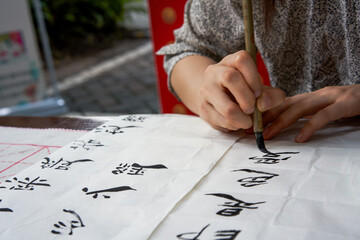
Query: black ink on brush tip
(261, 145)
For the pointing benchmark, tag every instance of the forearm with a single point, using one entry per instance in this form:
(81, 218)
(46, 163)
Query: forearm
(187, 78)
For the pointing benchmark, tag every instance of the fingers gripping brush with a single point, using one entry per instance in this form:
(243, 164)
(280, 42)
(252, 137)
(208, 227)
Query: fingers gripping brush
(251, 49)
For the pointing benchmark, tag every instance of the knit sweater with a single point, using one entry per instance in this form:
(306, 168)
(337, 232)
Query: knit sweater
(309, 45)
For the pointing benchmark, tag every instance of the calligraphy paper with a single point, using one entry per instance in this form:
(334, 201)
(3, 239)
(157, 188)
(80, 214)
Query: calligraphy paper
(309, 191)
(174, 177)
(22, 147)
(118, 181)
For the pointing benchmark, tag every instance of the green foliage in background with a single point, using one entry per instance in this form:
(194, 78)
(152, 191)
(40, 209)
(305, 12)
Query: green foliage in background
(73, 25)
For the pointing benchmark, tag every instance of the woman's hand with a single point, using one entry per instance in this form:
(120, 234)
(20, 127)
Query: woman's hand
(229, 91)
(325, 105)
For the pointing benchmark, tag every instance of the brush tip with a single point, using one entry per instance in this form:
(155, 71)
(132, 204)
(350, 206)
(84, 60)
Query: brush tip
(260, 142)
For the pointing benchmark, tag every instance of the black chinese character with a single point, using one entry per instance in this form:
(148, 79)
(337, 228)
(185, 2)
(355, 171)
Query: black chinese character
(61, 164)
(5, 209)
(255, 181)
(115, 189)
(133, 118)
(121, 168)
(227, 234)
(272, 158)
(135, 168)
(235, 206)
(91, 144)
(26, 184)
(219, 235)
(68, 227)
(112, 129)
(192, 235)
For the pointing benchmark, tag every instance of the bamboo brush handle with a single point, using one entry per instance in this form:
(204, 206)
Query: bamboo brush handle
(251, 49)
(249, 28)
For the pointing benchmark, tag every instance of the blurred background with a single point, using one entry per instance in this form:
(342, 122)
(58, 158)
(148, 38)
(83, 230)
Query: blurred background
(85, 57)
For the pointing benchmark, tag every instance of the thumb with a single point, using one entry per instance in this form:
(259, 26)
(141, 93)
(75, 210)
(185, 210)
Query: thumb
(270, 98)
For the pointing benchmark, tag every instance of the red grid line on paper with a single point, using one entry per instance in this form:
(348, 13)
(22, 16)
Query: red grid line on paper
(21, 154)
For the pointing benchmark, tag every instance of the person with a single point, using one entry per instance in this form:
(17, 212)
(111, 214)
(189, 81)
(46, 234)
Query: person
(311, 50)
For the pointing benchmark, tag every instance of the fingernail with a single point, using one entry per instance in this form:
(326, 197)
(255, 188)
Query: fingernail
(257, 93)
(265, 103)
(299, 138)
(251, 110)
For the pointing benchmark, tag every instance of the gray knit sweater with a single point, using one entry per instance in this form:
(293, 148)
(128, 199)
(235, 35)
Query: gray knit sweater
(310, 44)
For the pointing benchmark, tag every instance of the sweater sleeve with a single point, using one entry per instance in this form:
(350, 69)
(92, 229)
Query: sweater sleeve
(211, 29)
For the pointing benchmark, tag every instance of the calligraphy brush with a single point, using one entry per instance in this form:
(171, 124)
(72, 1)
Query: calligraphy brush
(251, 49)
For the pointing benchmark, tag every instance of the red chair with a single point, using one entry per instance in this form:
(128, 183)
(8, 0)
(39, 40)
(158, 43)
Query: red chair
(166, 16)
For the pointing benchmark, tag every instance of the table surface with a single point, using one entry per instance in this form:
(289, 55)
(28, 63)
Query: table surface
(52, 122)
